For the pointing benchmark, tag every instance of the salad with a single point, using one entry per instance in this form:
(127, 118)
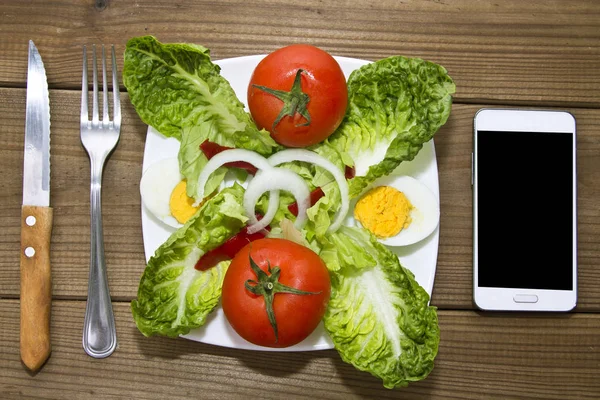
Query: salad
(378, 316)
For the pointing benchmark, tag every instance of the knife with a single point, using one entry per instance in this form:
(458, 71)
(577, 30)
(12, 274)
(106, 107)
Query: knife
(36, 220)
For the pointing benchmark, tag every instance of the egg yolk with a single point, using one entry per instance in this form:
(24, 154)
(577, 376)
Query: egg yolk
(384, 210)
(180, 204)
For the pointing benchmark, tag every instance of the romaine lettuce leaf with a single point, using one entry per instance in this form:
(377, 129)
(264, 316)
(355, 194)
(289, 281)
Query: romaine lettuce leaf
(191, 162)
(176, 89)
(395, 105)
(321, 215)
(173, 297)
(378, 316)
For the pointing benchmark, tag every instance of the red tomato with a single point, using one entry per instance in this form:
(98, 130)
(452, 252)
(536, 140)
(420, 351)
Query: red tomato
(299, 94)
(280, 267)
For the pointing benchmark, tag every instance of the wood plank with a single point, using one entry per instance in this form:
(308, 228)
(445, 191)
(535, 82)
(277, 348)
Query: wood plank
(514, 52)
(69, 196)
(121, 203)
(481, 355)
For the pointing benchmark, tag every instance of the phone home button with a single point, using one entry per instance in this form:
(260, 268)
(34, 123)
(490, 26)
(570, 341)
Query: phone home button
(525, 298)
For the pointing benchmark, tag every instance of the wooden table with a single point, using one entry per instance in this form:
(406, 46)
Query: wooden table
(542, 54)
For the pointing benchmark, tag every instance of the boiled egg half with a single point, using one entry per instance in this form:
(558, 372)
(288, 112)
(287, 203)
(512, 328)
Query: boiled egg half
(163, 191)
(399, 210)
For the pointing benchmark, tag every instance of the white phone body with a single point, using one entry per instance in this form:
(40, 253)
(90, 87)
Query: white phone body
(524, 210)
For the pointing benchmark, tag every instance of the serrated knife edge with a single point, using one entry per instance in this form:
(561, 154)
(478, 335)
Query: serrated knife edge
(36, 160)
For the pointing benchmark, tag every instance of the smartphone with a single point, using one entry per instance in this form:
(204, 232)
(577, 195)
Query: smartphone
(524, 210)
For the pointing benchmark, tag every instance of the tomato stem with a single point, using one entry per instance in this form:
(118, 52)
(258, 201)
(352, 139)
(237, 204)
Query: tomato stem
(294, 101)
(267, 285)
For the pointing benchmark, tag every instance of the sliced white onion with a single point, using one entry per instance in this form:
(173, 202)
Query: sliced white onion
(314, 158)
(224, 157)
(271, 210)
(274, 179)
(290, 232)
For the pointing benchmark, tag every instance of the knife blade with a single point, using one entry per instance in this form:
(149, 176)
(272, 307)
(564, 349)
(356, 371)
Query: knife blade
(36, 220)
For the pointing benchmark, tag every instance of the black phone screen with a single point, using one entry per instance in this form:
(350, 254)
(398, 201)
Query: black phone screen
(525, 210)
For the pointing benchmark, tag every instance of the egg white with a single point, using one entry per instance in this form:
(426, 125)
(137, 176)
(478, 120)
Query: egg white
(156, 186)
(425, 214)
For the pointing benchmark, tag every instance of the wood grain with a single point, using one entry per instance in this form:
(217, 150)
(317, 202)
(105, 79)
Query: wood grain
(69, 196)
(122, 209)
(481, 355)
(510, 52)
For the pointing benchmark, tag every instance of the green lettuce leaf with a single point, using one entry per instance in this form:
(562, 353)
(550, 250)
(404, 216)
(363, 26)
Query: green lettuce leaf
(378, 316)
(176, 89)
(395, 105)
(173, 297)
(191, 162)
(321, 215)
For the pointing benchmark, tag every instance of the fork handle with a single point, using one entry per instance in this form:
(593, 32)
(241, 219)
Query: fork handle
(99, 333)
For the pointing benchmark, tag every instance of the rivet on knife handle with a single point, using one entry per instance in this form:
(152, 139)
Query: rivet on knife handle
(36, 285)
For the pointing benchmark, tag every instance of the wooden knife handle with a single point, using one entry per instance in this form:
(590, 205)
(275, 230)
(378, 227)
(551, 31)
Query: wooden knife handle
(36, 285)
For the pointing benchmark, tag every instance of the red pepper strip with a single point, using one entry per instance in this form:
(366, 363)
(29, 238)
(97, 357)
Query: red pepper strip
(315, 195)
(210, 149)
(349, 172)
(228, 249)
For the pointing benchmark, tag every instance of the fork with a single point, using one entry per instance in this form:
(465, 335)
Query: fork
(99, 138)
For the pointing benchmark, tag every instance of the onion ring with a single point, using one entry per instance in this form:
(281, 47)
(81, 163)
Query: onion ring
(276, 179)
(314, 158)
(224, 157)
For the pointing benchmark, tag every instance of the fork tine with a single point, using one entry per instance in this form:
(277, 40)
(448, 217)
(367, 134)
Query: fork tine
(116, 94)
(95, 117)
(104, 91)
(84, 90)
